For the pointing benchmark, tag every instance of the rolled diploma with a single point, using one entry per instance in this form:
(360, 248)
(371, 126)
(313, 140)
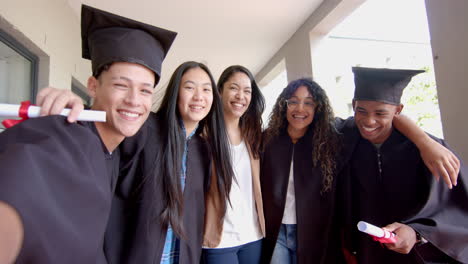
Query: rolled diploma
(372, 229)
(11, 110)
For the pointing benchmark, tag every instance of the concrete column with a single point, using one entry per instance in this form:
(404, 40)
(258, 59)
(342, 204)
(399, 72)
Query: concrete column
(296, 52)
(298, 57)
(449, 40)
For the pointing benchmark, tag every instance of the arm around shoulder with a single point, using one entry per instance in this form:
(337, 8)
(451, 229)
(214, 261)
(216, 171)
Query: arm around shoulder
(440, 160)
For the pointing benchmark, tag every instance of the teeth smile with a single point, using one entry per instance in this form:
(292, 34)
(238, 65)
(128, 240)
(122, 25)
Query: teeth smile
(196, 107)
(129, 114)
(369, 129)
(238, 105)
(299, 116)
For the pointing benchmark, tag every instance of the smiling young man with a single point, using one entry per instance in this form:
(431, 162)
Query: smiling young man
(387, 184)
(374, 119)
(57, 179)
(124, 90)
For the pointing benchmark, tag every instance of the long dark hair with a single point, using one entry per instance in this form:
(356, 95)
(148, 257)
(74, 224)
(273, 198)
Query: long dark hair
(325, 137)
(213, 128)
(251, 121)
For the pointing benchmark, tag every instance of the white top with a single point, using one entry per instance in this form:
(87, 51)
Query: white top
(241, 220)
(289, 215)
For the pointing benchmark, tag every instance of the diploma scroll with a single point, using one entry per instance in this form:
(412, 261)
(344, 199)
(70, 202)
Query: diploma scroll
(11, 110)
(378, 234)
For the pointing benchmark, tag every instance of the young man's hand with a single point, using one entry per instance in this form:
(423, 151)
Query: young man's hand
(52, 101)
(405, 235)
(440, 161)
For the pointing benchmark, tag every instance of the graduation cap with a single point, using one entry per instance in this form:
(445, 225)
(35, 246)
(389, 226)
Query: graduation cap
(382, 85)
(108, 38)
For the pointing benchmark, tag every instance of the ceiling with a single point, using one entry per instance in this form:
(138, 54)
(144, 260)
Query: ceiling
(218, 33)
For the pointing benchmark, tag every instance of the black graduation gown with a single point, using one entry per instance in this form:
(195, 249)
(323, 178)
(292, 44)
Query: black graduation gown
(316, 237)
(56, 175)
(392, 184)
(134, 234)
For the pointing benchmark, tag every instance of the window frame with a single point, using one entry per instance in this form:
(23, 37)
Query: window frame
(79, 89)
(28, 55)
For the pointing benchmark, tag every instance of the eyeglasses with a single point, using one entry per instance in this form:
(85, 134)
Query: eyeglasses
(294, 103)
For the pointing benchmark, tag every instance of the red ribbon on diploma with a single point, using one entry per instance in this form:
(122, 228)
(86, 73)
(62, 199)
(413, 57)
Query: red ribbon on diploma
(22, 112)
(383, 240)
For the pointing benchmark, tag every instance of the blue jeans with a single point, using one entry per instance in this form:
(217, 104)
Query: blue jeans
(244, 254)
(285, 248)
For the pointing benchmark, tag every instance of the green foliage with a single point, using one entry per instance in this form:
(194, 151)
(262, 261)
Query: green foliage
(421, 101)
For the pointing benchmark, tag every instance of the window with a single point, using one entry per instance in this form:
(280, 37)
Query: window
(78, 89)
(18, 72)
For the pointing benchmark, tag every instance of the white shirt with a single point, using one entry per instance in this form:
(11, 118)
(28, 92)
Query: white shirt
(289, 215)
(241, 220)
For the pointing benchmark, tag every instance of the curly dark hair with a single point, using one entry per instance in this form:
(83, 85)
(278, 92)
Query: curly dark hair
(325, 136)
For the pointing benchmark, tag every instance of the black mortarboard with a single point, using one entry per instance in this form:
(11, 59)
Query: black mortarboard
(108, 38)
(382, 85)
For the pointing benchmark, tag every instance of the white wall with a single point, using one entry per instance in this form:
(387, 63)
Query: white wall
(54, 28)
(449, 39)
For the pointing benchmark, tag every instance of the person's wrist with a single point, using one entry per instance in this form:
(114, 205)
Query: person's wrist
(420, 239)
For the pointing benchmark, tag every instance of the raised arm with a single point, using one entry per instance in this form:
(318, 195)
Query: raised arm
(11, 234)
(440, 160)
(52, 101)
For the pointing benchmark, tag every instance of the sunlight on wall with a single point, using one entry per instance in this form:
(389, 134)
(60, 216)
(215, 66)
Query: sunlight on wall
(271, 92)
